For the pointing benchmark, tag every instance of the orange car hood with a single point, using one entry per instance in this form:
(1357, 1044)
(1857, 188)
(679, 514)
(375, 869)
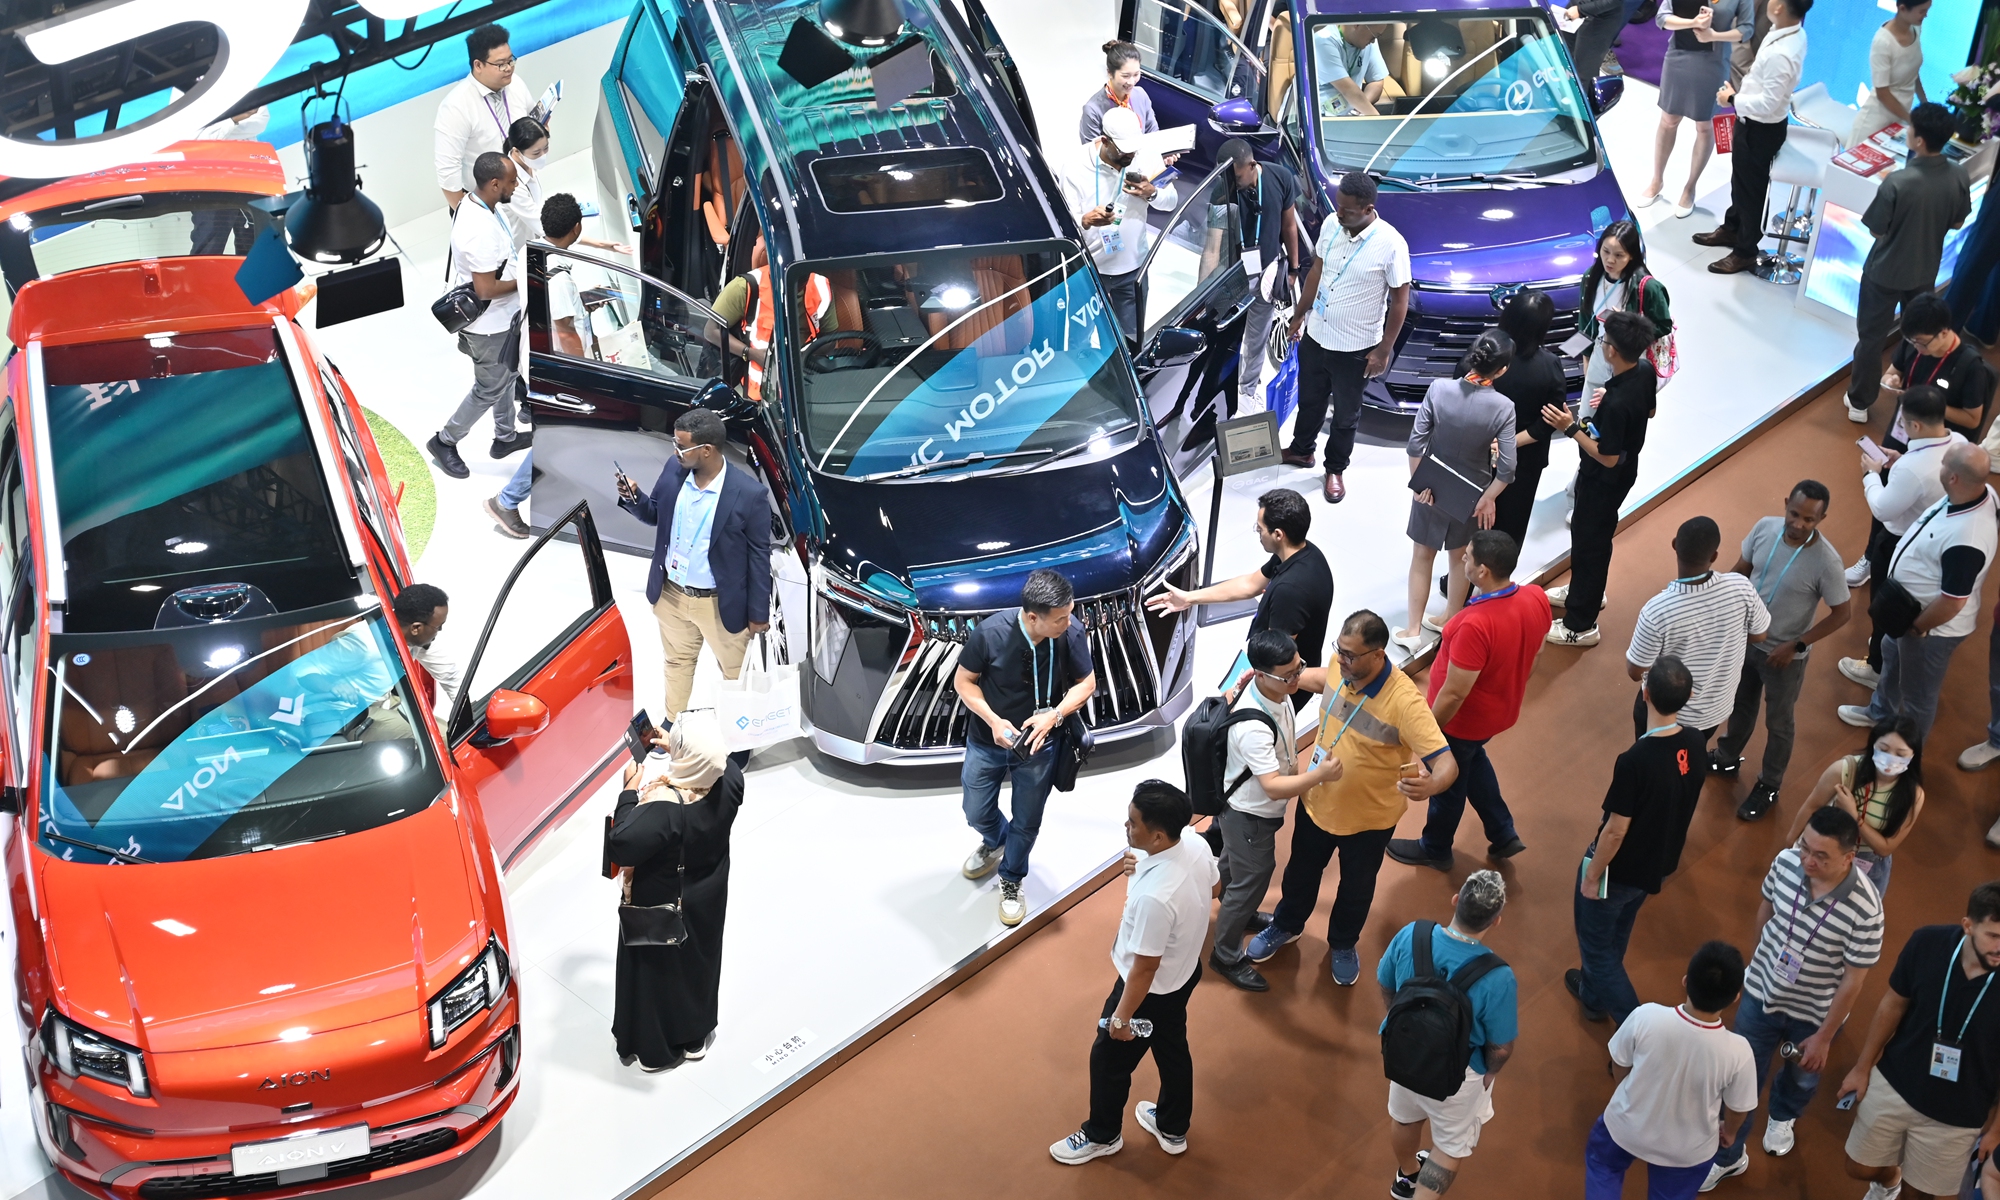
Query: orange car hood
(234, 951)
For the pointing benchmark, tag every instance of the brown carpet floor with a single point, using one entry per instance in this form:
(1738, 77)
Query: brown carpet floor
(965, 1097)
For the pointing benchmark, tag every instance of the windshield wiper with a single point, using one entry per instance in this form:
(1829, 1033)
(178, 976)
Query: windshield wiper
(301, 842)
(1052, 455)
(1382, 177)
(945, 464)
(1479, 177)
(120, 855)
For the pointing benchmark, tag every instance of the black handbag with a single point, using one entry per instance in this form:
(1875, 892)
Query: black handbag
(458, 308)
(1072, 752)
(1890, 605)
(657, 924)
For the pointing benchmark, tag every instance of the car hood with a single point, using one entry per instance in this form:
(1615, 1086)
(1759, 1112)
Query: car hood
(969, 542)
(1485, 237)
(235, 951)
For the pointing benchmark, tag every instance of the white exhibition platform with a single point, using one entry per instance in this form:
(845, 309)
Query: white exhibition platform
(846, 899)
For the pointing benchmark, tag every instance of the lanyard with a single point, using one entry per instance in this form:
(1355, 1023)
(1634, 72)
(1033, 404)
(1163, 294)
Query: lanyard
(1773, 597)
(1327, 285)
(1792, 926)
(1483, 597)
(1693, 579)
(504, 107)
(1035, 663)
(1948, 971)
(1114, 97)
(1658, 729)
(1359, 701)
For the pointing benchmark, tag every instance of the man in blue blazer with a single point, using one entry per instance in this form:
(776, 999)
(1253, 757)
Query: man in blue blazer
(710, 582)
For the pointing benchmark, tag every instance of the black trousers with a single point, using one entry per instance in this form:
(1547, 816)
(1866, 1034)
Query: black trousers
(1598, 495)
(1881, 548)
(1516, 502)
(1326, 375)
(1757, 146)
(1112, 1063)
(1313, 849)
(1875, 311)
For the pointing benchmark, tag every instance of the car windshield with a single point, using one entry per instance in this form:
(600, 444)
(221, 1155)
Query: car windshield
(1486, 93)
(1001, 355)
(183, 465)
(230, 737)
(119, 229)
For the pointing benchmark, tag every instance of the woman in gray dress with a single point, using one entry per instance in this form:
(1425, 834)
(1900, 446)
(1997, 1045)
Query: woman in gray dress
(1696, 63)
(1469, 427)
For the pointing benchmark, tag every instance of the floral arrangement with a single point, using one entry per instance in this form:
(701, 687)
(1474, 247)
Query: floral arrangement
(1977, 99)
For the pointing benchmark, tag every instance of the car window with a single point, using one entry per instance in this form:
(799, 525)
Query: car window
(1185, 43)
(361, 479)
(584, 308)
(182, 463)
(231, 737)
(132, 228)
(652, 143)
(1202, 243)
(548, 603)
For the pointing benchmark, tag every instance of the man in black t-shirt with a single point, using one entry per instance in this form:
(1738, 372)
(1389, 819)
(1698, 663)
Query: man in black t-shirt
(1932, 352)
(1929, 1071)
(1294, 587)
(1610, 442)
(1265, 196)
(1654, 787)
(1022, 673)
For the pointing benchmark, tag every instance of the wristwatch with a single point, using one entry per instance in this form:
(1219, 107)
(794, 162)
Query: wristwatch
(1117, 1023)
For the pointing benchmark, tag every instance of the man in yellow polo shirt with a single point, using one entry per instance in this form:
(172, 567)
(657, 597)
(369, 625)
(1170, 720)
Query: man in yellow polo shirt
(1391, 753)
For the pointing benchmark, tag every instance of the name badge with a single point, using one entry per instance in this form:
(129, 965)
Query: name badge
(1944, 1062)
(1789, 966)
(1114, 240)
(1896, 428)
(676, 563)
(1319, 756)
(1253, 262)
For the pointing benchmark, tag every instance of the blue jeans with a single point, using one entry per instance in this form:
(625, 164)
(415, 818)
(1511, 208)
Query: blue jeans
(1603, 928)
(1605, 1163)
(985, 767)
(1476, 782)
(515, 494)
(1993, 689)
(1792, 1090)
(1912, 676)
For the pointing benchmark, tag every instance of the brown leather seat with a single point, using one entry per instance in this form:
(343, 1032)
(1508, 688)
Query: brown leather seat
(145, 680)
(846, 300)
(998, 278)
(721, 186)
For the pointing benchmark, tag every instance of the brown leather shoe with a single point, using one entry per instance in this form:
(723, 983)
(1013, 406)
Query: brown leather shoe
(1334, 489)
(1721, 235)
(1294, 458)
(1735, 264)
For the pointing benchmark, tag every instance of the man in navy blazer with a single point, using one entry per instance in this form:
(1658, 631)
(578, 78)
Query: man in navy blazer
(710, 582)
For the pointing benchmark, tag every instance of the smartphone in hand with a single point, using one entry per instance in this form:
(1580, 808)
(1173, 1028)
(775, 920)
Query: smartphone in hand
(1870, 449)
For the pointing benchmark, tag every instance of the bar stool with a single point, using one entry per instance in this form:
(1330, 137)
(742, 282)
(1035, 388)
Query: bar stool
(1802, 162)
(1812, 105)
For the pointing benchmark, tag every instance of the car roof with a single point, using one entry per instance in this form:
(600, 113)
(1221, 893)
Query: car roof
(177, 295)
(782, 127)
(244, 167)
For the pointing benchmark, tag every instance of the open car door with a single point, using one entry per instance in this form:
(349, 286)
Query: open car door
(540, 717)
(1197, 70)
(986, 39)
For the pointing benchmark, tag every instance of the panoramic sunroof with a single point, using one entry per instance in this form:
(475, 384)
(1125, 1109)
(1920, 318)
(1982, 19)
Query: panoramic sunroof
(860, 183)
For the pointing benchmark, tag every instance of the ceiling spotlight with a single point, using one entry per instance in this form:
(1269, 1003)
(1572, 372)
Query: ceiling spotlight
(21, 222)
(224, 656)
(862, 22)
(950, 297)
(124, 720)
(145, 587)
(185, 546)
(333, 222)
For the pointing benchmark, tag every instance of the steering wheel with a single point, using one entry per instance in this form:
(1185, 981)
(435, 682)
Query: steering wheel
(818, 361)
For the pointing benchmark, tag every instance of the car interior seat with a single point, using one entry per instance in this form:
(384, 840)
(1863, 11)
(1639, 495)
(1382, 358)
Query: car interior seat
(721, 185)
(142, 681)
(996, 277)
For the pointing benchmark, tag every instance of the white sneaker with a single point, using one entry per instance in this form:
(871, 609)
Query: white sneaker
(1980, 757)
(1012, 906)
(1562, 635)
(1857, 575)
(1778, 1138)
(1860, 672)
(1717, 1174)
(1149, 1121)
(1877, 1192)
(1855, 715)
(1077, 1149)
(1857, 415)
(1558, 595)
(983, 862)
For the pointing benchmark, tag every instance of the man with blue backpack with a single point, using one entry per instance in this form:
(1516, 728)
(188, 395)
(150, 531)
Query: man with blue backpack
(1451, 1027)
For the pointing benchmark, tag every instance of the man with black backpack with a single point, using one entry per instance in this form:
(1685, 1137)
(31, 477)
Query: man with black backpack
(1242, 758)
(1450, 1028)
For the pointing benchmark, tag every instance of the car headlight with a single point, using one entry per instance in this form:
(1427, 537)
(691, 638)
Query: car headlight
(77, 1051)
(1172, 561)
(477, 988)
(835, 600)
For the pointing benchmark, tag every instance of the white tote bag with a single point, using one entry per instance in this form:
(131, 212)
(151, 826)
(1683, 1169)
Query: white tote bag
(760, 707)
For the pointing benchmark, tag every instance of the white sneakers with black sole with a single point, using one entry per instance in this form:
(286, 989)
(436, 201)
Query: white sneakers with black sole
(1077, 1149)
(1779, 1138)
(1147, 1115)
(1012, 906)
(982, 862)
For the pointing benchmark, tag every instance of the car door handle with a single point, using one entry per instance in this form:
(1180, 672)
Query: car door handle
(564, 401)
(617, 664)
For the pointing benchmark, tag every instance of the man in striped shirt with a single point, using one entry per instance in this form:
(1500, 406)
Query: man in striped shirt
(1704, 618)
(1821, 923)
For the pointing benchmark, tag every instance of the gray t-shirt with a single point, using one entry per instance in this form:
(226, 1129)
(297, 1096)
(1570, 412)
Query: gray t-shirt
(1792, 587)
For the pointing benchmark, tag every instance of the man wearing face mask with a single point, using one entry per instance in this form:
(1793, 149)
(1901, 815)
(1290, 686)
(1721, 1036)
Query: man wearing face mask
(1929, 1071)
(710, 581)
(1108, 184)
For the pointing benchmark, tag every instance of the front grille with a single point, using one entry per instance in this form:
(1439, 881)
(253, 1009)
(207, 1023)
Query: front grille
(925, 712)
(183, 1187)
(1436, 343)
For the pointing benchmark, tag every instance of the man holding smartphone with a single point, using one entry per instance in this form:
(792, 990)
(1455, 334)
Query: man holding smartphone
(1109, 185)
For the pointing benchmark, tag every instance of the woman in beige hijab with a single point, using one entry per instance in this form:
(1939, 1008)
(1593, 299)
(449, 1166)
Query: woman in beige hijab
(671, 834)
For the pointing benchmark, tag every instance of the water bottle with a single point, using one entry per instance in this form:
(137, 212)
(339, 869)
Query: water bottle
(1139, 1026)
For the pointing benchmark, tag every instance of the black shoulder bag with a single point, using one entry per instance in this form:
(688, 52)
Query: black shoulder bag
(658, 924)
(1891, 606)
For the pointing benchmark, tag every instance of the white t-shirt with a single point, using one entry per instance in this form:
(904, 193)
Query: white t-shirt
(1918, 563)
(1356, 275)
(481, 241)
(471, 121)
(1166, 912)
(566, 302)
(1668, 1111)
(1252, 747)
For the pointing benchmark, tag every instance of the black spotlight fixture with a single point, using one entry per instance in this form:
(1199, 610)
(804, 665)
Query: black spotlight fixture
(867, 23)
(333, 222)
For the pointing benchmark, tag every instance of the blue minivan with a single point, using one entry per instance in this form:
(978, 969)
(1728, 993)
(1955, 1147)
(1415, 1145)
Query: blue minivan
(949, 404)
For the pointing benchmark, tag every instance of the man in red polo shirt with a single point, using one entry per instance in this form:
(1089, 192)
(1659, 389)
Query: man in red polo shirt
(1477, 681)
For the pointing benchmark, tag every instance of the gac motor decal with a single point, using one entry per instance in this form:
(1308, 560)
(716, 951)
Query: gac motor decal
(213, 767)
(972, 413)
(296, 1079)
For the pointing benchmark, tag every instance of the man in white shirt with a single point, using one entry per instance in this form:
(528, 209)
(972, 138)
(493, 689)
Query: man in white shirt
(1762, 105)
(1108, 185)
(476, 114)
(1675, 1068)
(1898, 494)
(1707, 619)
(482, 254)
(1261, 771)
(1360, 289)
(1942, 562)
(421, 609)
(1158, 957)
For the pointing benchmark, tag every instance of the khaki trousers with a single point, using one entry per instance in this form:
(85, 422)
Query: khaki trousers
(686, 622)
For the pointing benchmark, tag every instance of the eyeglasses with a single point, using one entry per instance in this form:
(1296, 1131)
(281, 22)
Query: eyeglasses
(501, 64)
(1288, 677)
(1345, 657)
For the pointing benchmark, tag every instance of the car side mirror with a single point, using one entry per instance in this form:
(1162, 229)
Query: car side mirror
(1236, 117)
(726, 402)
(1607, 90)
(511, 715)
(1173, 346)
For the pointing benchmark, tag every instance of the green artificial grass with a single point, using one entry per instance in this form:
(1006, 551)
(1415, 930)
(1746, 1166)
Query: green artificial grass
(408, 467)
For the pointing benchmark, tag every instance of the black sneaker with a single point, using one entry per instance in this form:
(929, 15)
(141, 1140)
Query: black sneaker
(1718, 765)
(1410, 852)
(445, 455)
(522, 439)
(1257, 922)
(1573, 980)
(507, 519)
(1762, 799)
(1405, 1187)
(1240, 973)
(1506, 849)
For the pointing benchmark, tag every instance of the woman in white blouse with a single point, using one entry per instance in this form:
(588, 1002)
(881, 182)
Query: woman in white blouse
(1894, 59)
(528, 146)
